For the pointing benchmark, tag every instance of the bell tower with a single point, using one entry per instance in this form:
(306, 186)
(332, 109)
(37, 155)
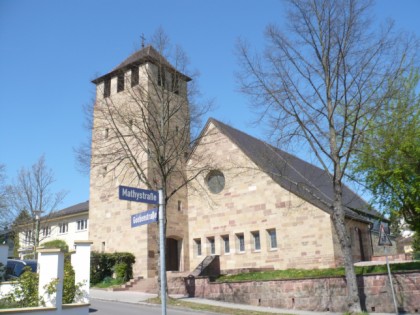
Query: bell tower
(140, 137)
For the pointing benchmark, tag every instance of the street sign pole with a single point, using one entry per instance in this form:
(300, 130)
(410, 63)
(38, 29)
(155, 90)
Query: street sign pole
(385, 241)
(150, 197)
(162, 252)
(390, 281)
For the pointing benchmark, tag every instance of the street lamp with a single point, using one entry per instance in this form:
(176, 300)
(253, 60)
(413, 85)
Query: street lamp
(37, 220)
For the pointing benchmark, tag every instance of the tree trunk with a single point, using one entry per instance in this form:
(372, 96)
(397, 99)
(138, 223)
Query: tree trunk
(338, 219)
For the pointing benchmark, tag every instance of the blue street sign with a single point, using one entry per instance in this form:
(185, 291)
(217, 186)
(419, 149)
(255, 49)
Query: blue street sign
(138, 195)
(146, 217)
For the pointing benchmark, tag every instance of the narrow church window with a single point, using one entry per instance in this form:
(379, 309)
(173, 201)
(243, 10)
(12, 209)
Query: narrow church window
(240, 246)
(120, 82)
(212, 245)
(179, 205)
(161, 76)
(104, 170)
(197, 242)
(272, 238)
(256, 239)
(226, 245)
(134, 76)
(175, 83)
(106, 133)
(107, 87)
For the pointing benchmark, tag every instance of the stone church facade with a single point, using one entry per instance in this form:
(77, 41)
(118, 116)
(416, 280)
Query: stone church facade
(257, 207)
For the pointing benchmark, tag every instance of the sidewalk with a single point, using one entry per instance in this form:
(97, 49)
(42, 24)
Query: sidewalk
(140, 297)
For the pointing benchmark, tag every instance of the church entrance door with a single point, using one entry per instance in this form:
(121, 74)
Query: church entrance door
(172, 256)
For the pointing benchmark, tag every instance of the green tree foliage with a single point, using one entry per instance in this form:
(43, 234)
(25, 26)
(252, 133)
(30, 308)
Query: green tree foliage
(389, 158)
(21, 218)
(416, 245)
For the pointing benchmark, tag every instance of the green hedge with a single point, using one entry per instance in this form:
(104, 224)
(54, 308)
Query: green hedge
(104, 265)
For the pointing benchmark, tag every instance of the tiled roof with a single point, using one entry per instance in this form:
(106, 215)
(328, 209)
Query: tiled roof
(294, 174)
(146, 54)
(75, 209)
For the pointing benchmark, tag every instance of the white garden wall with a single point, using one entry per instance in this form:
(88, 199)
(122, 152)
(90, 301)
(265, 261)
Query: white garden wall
(51, 267)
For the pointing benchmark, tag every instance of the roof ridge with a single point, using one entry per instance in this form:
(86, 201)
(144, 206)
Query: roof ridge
(143, 55)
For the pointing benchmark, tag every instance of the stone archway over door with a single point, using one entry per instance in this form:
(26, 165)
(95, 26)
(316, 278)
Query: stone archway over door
(172, 255)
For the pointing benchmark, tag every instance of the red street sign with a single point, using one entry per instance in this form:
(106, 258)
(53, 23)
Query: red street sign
(384, 239)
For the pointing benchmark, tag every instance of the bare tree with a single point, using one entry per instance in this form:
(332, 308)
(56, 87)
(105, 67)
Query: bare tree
(321, 79)
(142, 136)
(32, 193)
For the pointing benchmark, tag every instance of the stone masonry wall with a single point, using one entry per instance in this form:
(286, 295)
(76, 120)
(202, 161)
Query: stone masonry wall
(250, 204)
(325, 294)
(110, 218)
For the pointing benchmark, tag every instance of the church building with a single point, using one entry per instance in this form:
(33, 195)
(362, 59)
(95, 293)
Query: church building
(255, 207)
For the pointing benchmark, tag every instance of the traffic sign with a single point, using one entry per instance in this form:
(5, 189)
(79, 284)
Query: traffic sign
(145, 217)
(138, 195)
(384, 239)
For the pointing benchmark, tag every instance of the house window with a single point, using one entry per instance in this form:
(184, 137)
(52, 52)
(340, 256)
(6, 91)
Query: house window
(107, 87)
(46, 231)
(120, 82)
(197, 243)
(28, 236)
(82, 225)
(64, 228)
(161, 76)
(240, 242)
(226, 245)
(272, 236)
(256, 240)
(134, 76)
(212, 245)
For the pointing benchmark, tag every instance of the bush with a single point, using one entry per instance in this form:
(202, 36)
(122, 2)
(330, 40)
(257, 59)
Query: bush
(121, 271)
(56, 244)
(69, 286)
(25, 292)
(106, 264)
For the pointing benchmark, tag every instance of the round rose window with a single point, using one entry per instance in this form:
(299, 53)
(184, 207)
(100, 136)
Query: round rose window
(215, 181)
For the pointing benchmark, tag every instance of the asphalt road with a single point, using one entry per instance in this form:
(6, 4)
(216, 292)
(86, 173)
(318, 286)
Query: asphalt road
(98, 307)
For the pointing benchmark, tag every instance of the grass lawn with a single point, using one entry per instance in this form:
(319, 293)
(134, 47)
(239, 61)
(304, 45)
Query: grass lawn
(316, 273)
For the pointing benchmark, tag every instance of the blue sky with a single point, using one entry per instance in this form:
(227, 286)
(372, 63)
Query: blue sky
(50, 50)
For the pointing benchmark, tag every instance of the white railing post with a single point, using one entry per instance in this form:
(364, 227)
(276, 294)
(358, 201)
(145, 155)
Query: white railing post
(51, 268)
(80, 260)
